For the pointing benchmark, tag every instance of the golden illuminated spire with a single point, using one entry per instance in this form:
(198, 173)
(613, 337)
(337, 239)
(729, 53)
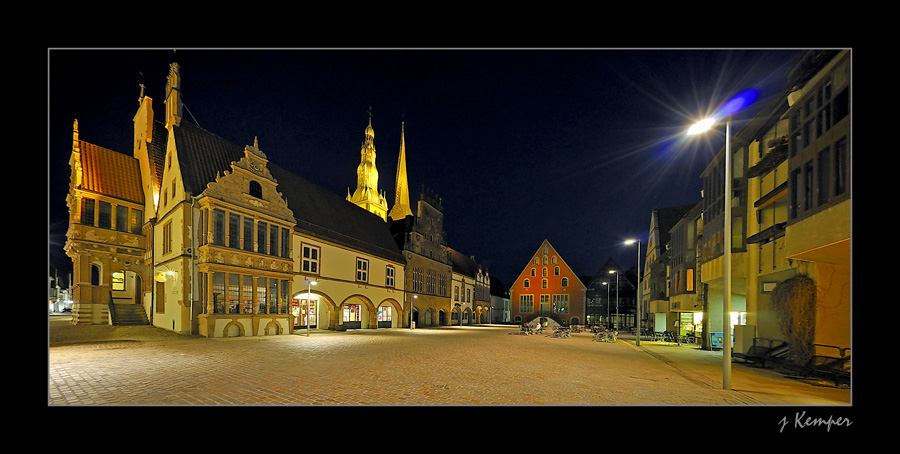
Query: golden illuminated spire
(173, 97)
(401, 207)
(366, 194)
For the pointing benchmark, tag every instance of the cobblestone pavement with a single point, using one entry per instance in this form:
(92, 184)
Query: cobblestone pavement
(480, 365)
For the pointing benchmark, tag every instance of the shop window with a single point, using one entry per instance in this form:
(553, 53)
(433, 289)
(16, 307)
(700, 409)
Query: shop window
(261, 294)
(352, 313)
(385, 313)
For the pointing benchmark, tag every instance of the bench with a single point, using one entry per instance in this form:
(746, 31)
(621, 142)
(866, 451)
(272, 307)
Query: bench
(834, 367)
(765, 350)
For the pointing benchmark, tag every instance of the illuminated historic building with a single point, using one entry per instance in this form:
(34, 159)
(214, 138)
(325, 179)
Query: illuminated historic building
(428, 266)
(471, 290)
(366, 194)
(548, 288)
(204, 236)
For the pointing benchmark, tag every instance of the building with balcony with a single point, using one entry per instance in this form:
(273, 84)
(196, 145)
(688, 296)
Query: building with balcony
(791, 228)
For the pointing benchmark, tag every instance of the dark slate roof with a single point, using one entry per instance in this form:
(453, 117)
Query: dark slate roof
(203, 155)
(326, 215)
(318, 212)
(462, 264)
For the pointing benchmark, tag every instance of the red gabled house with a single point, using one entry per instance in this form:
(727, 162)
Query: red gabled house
(548, 288)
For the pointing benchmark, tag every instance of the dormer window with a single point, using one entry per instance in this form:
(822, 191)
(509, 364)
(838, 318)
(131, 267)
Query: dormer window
(255, 189)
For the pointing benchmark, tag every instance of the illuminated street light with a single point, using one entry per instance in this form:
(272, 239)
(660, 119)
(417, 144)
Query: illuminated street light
(638, 293)
(616, 327)
(607, 301)
(737, 103)
(411, 306)
(309, 284)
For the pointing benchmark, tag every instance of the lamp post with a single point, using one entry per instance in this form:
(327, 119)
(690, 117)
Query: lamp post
(616, 327)
(607, 301)
(309, 284)
(637, 342)
(726, 278)
(411, 306)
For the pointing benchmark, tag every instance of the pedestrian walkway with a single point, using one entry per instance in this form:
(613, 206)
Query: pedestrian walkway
(472, 365)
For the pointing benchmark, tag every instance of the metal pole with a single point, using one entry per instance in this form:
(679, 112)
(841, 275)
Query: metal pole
(607, 303)
(308, 300)
(637, 342)
(617, 300)
(726, 298)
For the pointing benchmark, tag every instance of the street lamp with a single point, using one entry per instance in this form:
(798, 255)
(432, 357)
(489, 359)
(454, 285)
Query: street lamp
(309, 284)
(411, 306)
(616, 327)
(607, 301)
(638, 292)
(737, 103)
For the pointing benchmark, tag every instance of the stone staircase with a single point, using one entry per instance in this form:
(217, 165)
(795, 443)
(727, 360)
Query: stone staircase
(125, 314)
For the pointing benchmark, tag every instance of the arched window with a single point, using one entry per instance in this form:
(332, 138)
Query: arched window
(565, 282)
(255, 189)
(95, 275)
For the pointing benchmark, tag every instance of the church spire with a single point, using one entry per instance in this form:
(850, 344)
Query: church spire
(367, 195)
(173, 96)
(401, 207)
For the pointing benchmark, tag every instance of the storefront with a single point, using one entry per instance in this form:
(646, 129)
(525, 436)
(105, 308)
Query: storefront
(351, 316)
(385, 316)
(304, 311)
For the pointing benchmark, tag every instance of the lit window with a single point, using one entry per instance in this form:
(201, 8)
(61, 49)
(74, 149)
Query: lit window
(118, 281)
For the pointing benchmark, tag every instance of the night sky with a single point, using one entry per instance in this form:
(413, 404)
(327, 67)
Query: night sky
(576, 146)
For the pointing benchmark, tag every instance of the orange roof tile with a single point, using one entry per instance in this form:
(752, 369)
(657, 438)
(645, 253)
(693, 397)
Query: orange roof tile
(110, 173)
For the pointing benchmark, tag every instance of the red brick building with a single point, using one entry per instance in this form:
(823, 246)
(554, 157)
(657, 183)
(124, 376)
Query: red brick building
(547, 287)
